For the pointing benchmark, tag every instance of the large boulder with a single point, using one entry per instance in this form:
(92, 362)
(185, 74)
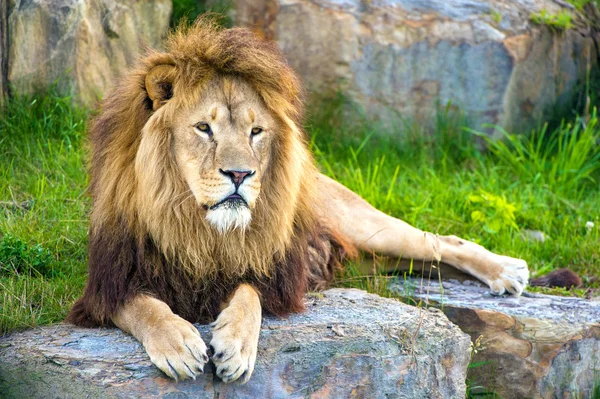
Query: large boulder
(534, 346)
(404, 57)
(348, 344)
(81, 45)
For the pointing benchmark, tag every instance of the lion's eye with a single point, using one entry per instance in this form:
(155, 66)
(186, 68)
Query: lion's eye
(203, 127)
(256, 130)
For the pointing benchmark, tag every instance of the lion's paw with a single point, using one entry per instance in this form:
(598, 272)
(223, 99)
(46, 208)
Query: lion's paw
(175, 347)
(234, 346)
(513, 278)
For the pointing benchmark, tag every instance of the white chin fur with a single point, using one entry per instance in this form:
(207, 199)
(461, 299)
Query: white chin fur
(226, 218)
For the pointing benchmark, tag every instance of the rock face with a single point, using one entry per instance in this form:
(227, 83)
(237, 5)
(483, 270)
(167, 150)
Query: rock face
(531, 347)
(84, 45)
(348, 344)
(404, 56)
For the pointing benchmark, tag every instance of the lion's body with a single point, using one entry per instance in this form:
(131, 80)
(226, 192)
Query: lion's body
(207, 205)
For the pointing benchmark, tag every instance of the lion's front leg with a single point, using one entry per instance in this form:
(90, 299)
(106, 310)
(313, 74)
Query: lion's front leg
(173, 344)
(373, 231)
(235, 335)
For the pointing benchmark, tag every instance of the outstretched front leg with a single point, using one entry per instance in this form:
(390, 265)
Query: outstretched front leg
(372, 230)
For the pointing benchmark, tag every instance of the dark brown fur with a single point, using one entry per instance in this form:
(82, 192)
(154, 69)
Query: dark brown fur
(121, 268)
(563, 278)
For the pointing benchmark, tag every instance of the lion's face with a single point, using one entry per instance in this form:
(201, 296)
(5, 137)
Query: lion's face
(221, 145)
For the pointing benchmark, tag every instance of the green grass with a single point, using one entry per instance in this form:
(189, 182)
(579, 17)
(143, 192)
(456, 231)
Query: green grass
(581, 4)
(186, 11)
(560, 21)
(596, 389)
(43, 210)
(573, 11)
(437, 181)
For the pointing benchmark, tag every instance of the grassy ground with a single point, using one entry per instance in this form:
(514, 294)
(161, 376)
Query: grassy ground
(43, 210)
(438, 182)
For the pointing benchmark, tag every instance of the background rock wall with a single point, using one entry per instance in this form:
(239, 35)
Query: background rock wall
(402, 57)
(395, 58)
(82, 45)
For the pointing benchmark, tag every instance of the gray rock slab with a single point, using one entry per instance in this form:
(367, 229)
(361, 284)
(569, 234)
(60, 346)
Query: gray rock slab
(475, 295)
(534, 346)
(347, 344)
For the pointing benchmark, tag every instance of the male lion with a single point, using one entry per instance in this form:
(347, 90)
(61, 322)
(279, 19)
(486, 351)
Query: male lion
(207, 204)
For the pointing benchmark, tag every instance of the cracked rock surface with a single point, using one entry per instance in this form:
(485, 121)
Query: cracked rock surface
(347, 344)
(537, 346)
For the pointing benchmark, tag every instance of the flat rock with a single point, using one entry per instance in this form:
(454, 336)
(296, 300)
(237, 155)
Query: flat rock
(535, 346)
(405, 57)
(347, 344)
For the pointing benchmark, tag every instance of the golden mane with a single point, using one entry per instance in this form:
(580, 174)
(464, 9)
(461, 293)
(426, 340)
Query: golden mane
(155, 200)
(148, 234)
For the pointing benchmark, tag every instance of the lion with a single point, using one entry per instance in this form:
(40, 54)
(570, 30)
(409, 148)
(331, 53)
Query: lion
(207, 206)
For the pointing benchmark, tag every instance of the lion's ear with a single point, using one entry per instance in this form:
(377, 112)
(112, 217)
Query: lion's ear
(159, 84)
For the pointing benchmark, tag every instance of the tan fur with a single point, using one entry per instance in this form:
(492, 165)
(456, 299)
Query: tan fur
(173, 344)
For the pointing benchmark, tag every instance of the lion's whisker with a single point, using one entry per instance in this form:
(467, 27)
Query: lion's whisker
(177, 196)
(185, 199)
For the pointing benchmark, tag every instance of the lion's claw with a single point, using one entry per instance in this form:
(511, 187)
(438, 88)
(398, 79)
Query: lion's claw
(175, 347)
(234, 349)
(513, 279)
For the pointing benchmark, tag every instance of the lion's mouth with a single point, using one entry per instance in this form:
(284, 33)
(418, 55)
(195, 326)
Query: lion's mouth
(233, 201)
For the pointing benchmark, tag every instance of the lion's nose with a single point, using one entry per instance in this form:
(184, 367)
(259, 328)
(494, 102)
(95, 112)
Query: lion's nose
(237, 176)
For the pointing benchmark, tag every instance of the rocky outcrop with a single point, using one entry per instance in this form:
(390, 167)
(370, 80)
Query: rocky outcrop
(405, 56)
(348, 344)
(535, 346)
(83, 46)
